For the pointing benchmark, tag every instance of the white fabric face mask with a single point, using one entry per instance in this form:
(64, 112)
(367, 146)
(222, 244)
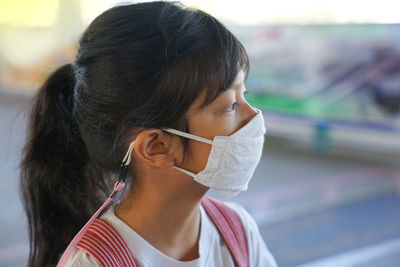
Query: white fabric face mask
(232, 159)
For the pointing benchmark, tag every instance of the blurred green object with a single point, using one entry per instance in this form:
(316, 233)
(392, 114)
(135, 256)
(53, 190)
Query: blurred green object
(311, 107)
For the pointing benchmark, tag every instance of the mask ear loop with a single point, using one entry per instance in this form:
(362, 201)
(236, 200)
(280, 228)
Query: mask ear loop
(118, 186)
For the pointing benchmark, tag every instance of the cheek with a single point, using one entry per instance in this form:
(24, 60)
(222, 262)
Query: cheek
(197, 156)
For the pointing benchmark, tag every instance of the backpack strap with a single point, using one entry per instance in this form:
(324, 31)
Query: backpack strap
(230, 228)
(104, 243)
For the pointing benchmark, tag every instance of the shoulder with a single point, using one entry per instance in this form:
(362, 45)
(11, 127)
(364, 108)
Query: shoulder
(80, 258)
(248, 221)
(249, 224)
(259, 254)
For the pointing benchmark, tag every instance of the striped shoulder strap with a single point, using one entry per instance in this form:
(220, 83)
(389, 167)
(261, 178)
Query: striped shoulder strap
(230, 228)
(104, 243)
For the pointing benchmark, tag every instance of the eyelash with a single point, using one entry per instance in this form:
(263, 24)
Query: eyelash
(232, 107)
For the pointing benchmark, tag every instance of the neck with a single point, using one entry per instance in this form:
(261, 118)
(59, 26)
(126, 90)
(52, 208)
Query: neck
(168, 219)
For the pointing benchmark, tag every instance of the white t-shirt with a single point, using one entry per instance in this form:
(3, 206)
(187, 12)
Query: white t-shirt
(212, 248)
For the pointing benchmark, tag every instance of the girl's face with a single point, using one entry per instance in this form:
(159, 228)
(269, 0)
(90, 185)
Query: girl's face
(225, 115)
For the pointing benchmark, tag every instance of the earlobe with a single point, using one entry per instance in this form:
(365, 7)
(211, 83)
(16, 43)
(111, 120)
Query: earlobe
(153, 148)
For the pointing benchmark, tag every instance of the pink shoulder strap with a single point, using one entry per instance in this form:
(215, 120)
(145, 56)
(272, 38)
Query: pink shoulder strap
(104, 243)
(68, 251)
(230, 227)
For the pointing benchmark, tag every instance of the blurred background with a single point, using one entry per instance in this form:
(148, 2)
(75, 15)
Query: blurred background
(326, 75)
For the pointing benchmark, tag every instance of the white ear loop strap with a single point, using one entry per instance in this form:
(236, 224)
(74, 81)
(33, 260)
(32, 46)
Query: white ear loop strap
(128, 155)
(188, 135)
(185, 171)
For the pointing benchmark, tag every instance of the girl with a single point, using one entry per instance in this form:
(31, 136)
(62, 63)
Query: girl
(145, 76)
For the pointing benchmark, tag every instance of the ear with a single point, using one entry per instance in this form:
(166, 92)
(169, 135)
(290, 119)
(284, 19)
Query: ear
(154, 147)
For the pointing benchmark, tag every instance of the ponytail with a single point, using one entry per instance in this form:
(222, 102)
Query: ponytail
(56, 174)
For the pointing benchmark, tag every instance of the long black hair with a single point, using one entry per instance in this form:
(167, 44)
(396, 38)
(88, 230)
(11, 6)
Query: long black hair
(138, 66)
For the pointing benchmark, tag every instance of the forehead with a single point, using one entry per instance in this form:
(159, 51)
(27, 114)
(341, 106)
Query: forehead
(239, 79)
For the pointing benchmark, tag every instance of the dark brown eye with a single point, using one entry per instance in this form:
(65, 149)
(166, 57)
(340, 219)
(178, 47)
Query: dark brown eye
(232, 107)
